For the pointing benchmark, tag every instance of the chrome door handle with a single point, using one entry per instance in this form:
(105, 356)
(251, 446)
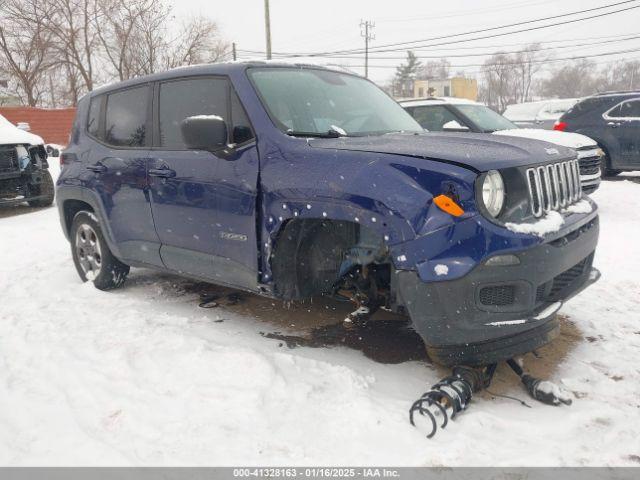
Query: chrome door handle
(162, 172)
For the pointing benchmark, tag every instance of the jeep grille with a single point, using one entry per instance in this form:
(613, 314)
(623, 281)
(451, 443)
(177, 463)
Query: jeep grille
(553, 186)
(8, 159)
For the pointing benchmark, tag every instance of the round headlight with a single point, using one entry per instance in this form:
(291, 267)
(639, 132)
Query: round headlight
(493, 192)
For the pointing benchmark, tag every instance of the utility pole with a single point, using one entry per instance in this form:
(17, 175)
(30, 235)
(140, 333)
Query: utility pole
(233, 49)
(366, 31)
(267, 28)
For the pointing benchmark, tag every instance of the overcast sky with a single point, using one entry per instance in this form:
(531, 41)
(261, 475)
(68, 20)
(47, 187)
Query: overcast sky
(329, 25)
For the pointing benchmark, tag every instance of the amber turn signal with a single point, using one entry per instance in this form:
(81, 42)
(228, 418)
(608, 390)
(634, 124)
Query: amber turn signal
(446, 204)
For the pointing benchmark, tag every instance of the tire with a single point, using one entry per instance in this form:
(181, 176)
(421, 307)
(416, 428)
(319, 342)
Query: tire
(46, 188)
(604, 167)
(91, 255)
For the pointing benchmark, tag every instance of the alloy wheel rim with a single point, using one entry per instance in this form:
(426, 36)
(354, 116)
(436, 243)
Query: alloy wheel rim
(88, 251)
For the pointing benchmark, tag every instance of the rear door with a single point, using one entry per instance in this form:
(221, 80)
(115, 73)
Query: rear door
(119, 123)
(623, 123)
(204, 203)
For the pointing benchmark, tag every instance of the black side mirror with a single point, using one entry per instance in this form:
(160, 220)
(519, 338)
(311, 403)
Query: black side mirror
(204, 132)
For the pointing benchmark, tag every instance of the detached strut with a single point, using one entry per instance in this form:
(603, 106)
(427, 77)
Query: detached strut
(542, 390)
(451, 395)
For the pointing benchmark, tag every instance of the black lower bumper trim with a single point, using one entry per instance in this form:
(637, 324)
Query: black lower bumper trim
(499, 349)
(496, 312)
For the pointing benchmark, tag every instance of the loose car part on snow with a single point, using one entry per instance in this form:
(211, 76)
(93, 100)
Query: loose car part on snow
(452, 394)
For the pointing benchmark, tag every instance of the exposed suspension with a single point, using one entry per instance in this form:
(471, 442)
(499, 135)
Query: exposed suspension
(451, 395)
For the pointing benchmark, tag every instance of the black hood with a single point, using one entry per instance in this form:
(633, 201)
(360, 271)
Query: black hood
(478, 151)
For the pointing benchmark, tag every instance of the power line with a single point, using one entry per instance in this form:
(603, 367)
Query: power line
(619, 52)
(484, 54)
(466, 13)
(578, 12)
(502, 45)
(382, 48)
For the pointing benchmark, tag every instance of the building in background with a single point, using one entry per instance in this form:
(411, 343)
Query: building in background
(53, 125)
(458, 87)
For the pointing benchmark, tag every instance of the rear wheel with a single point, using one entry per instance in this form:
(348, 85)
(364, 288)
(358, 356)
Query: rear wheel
(46, 188)
(605, 167)
(91, 255)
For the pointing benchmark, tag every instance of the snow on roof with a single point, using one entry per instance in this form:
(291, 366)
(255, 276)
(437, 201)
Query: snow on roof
(437, 101)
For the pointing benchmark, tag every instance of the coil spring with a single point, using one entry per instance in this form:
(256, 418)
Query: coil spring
(450, 396)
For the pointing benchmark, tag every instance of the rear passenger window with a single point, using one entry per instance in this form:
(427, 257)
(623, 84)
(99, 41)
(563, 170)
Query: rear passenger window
(626, 110)
(126, 118)
(93, 119)
(187, 98)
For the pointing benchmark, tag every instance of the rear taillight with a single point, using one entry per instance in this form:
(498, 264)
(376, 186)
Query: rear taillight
(560, 126)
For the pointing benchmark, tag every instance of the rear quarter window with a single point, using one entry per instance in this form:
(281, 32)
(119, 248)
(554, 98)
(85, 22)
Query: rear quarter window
(589, 105)
(93, 118)
(126, 117)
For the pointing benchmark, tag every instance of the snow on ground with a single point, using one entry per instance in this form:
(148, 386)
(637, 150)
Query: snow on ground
(142, 376)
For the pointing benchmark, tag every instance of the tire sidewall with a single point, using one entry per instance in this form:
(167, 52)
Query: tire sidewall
(45, 187)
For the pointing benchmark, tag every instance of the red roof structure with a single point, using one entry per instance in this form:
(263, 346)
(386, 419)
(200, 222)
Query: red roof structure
(53, 125)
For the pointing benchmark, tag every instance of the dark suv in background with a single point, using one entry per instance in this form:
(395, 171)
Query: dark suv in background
(613, 120)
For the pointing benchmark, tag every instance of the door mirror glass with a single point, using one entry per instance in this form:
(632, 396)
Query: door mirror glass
(454, 125)
(204, 132)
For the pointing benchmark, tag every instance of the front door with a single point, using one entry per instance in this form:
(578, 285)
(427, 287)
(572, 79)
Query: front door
(204, 203)
(623, 121)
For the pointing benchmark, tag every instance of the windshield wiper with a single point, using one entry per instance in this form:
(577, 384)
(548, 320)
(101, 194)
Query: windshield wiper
(333, 132)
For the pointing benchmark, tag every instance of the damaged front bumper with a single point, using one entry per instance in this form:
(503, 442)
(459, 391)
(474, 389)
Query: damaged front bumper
(18, 187)
(494, 312)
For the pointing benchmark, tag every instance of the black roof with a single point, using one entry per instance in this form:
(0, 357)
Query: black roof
(618, 93)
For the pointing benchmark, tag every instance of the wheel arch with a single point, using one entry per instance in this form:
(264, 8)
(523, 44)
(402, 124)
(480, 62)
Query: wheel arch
(71, 200)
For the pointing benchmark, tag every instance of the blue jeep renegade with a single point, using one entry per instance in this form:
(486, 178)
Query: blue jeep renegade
(294, 181)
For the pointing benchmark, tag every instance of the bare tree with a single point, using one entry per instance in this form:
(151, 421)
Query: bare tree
(66, 47)
(438, 70)
(527, 64)
(576, 79)
(499, 87)
(620, 75)
(72, 26)
(198, 42)
(25, 45)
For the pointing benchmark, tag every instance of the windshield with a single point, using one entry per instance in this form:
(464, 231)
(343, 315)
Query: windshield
(315, 101)
(485, 119)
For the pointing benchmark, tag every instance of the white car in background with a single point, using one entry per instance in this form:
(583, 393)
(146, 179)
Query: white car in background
(461, 115)
(24, 174)
(542, 114)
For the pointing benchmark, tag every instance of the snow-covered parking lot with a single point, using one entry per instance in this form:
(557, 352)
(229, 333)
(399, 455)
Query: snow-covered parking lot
(143, 376)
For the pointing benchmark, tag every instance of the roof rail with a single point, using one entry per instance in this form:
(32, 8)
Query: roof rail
(618, 92)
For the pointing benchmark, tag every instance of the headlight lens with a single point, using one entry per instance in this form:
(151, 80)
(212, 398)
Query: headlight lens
(493, 192)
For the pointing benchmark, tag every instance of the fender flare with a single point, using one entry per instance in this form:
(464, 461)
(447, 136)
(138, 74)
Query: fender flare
(69, 193)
